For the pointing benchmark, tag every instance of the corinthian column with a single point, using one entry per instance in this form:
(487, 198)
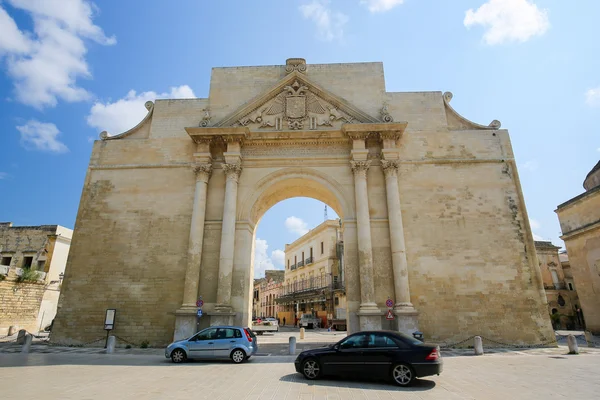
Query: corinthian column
(399, 263)
(407, 315)
(194, 254)
(232, 172)
(185, 317)
(363, 224)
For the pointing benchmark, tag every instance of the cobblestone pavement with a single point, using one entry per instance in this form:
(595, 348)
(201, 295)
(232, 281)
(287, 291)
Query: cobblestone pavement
(99, 376)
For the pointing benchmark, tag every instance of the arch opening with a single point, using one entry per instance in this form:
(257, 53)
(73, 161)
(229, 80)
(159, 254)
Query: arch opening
(313, 262)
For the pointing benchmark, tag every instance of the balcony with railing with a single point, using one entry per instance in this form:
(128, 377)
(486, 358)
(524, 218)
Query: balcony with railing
(556, 286)
(309, 260)
(309, 287)
(293, 267)
(300, 263)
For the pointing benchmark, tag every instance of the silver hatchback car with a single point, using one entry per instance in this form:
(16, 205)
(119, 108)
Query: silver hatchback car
(216, 342)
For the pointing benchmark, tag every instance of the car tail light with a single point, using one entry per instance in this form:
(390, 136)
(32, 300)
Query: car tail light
(433, 356)
(248, 335)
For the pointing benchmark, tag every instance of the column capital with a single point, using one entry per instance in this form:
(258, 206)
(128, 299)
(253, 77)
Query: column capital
(232, 171)
(360, 167)
(390, 168)
(203, 171)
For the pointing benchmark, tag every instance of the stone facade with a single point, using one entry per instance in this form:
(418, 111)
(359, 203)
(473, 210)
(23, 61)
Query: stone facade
(25, 250)
(580, 224)
(561, 294)
(266, 290)
(169, 208)
(314, 276)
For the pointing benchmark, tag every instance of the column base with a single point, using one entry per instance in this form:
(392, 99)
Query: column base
(222, 315)
(369, 316)
(186, 323)
(407, 320)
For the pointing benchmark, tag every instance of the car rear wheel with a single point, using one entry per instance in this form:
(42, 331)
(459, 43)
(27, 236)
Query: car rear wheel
(178, 356)
(238, 356)
(311, 369)
(403, 375)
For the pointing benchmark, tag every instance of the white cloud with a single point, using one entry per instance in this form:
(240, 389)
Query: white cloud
(381, 5)
(330, 24)
(508, 20)
(534, 224)
(41, 136)
(278, 257)
(530, 165)
(538, 237)
(3, 175)
(127, 112)
(12, 40)
(46, 63)
(296, 225)
(592, 97)
(262, 261)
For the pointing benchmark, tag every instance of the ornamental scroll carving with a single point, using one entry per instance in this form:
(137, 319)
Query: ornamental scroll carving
(203, 171)
(295, 64)
(360, 168)
(385, 115)
(295, 107)
(232, 171)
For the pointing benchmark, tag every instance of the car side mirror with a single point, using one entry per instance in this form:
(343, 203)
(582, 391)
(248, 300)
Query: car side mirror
(336, 347)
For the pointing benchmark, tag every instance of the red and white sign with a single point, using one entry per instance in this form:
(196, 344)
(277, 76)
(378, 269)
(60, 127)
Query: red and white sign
(389, 315)
(389, 303)
(200, 303)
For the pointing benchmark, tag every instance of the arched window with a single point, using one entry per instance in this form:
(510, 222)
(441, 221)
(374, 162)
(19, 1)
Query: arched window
(561, 301)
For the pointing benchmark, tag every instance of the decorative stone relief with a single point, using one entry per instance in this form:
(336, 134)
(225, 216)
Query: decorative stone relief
(232, 171)
(360, 167)
(390, 167)
(203, 171)
(297, 107)
(385, 115)
(206, 118)
(295, 64)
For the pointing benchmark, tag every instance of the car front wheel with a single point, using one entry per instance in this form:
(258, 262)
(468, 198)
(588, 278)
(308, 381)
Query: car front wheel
(403, 375)
(178, 356)
(311, 369)
(238, 356)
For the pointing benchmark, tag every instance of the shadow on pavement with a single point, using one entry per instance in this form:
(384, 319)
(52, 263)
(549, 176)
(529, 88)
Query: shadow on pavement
(41, 360)
(419, 385)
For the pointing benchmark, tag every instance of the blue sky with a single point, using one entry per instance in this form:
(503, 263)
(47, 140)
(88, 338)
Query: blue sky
(70, 69)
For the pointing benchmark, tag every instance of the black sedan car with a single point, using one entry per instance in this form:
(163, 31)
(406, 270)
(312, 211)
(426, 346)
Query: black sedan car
(376, 354)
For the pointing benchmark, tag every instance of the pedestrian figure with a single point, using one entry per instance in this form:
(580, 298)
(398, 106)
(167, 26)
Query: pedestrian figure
(283, 321)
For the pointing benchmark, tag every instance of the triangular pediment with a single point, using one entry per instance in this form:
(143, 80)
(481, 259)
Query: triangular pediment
(296, 103)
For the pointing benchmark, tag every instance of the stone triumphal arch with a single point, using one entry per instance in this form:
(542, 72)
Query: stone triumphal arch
(432, 209)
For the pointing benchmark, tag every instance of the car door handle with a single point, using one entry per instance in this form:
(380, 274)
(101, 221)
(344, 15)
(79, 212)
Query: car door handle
(210, 343)
(232, 341)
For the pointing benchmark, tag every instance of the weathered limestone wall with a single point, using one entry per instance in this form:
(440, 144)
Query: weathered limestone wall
(464, 239)
(128, 253)
(19, 304)
(580, 223)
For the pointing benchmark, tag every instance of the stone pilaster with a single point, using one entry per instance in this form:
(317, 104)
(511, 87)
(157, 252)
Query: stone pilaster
(223, 306)
(404, 310)
(368, 310)
(185, 317)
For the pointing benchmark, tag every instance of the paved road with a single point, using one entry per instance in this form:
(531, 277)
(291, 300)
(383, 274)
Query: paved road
(502, 376)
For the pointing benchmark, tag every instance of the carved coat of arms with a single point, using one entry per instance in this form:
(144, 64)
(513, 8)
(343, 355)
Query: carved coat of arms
(295, 105)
